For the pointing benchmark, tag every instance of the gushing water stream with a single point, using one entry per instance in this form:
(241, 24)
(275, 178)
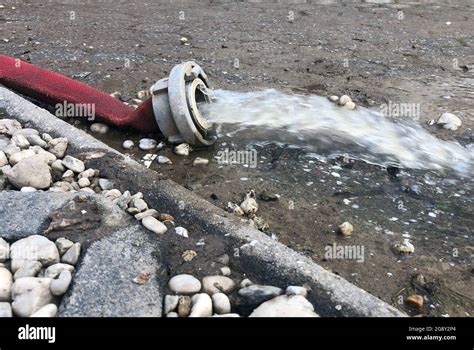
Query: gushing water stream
(360, 134)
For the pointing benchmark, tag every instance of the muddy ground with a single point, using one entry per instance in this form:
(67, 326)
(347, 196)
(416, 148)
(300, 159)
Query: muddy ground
(374, 53)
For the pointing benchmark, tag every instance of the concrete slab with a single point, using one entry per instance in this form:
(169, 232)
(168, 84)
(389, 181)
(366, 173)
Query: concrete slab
(103, 283)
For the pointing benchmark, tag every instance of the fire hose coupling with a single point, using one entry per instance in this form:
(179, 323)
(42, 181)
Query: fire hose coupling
(176, 101)
(173, 108)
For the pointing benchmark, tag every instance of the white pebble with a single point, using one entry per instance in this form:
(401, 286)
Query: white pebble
(221, 303)
(128, 144)
(154, 225)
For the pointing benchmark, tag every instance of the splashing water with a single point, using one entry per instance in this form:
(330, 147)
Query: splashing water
(361, 134)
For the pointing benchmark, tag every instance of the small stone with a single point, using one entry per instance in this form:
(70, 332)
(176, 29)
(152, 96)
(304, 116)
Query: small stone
(99, 128)
(36, 140)
(3, 159)
(140, 204)
(68, 174)
(346, 229)
(188, 255)
(171, 303)
(217, 284)
(285, 306)
(201, 305)
(29, 269)
(161, 146)
(83, 182)
(200, 161)
(36, 248)
(63, 244)
(147, 144)
(415, 301)
(154, 225)
(46, 137)
(72, 255)
(183, 40)
(9, 126)
(350, 105)
(58, 146)
(234, 208)
(60, 285)
(30, 294)
(245, 283)
(5, 309)
(164, 160)
(133, 211)
(223, 259)
(4, 250)
(149, 212)
(20, 141)
(87, 190)
(61, 186)
(113, 194)
(249, 205)
(6, 282)
(181, 231)
(172, 314)
(128, 144)
(165, 217)
(333, 98)
(142, 278)
(74, 164)
(184, 284)
(30, 172)
(225, 271)
(344, 99)
(58, 166)
(89, 173)
(28, 189)
(449, 121)
(182, 149)
(221, 303)
(257, 294)
(406, 248)
(142, 94)
(296, 290)
(49, 310)
(184, 306)
(106, 185)
(55, 270)
(11, 149)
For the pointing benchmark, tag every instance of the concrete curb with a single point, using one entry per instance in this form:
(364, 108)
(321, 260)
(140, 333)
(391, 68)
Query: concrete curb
(270, 261)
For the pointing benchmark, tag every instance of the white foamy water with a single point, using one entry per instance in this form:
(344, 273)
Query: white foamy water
(368, 135)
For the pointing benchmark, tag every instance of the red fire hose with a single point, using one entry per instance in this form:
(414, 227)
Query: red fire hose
(172, 109)
(52, 88)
